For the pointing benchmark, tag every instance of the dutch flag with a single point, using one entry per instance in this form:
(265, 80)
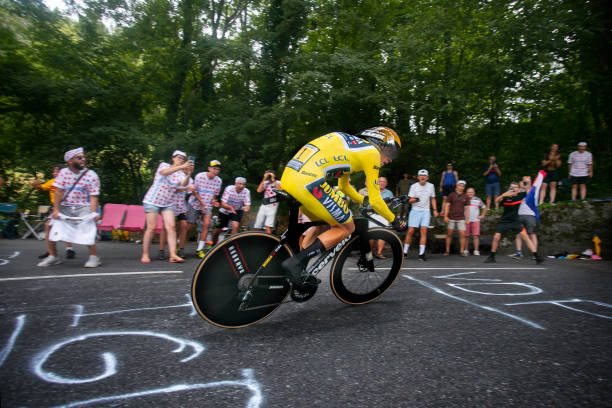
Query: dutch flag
(533, 196)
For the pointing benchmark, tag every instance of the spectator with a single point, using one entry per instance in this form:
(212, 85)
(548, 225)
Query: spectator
(48, 186)
(492, 187)
(76, 195)
(207, 188)
(527, 219)
(266, 216)
(456, 212)
(236, 201)
(422, 194)
(509, 221)
(402, 188)
(385, 194)
(448, 181)
(180, 212)
(478, 210)
(580, 170)
(159, 199)
(550, 164)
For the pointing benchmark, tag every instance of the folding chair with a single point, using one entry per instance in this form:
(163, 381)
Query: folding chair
(112, 217)
(8, 227)
(37, 230)
(134, 218)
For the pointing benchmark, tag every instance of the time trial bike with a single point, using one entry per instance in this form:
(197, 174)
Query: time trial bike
(240, 281)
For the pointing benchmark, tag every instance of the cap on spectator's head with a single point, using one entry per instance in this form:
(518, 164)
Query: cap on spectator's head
(179, 152)
(240, 180)
(423, 172)
(214, 163)
(71, 153)
(461, 182)
(582, 144)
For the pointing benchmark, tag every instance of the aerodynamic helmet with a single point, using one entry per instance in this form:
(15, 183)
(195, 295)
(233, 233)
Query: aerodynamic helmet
(384, 138)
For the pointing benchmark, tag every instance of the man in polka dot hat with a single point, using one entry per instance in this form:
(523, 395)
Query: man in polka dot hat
(75, 207)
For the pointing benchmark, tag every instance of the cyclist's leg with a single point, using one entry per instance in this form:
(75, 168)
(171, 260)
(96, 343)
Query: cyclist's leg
(319, 202)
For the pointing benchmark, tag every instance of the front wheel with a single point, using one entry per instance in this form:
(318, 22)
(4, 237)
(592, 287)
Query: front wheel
(354, 284)
(227, 271)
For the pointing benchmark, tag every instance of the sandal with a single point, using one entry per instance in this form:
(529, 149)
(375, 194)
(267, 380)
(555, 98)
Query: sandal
(380, 256)
(145, 260)
(176, 259)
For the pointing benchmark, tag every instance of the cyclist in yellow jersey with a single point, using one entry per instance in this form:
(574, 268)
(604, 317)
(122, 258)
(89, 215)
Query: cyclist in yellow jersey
(337, 155)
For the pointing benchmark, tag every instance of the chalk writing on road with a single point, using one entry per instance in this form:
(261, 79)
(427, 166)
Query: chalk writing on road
(50, 364)
(470, 282)
(6, 261)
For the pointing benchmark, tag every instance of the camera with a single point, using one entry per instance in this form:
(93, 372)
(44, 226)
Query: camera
(269, 174)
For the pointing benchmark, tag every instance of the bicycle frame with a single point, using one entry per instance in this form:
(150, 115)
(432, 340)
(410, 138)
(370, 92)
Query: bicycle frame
(291, 237)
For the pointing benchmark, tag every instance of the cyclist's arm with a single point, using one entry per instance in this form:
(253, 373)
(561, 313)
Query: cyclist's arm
(374, 194)
(345, 186)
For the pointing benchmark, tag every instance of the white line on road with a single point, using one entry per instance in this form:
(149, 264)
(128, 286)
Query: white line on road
(81, 275)
(472, 268)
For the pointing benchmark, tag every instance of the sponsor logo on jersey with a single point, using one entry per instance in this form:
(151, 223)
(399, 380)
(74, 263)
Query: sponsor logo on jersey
(333, 203)
(308, 174)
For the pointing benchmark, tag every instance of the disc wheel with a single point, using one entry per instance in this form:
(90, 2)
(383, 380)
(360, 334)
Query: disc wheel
(227, 270)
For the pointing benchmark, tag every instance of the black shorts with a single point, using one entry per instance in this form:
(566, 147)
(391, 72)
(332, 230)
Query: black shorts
(514, 226)
(447, 189)
(224, 218)
(551, 175)
(580, 180)
(182, 217)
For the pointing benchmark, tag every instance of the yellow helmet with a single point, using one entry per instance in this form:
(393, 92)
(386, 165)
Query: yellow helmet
(384, 138)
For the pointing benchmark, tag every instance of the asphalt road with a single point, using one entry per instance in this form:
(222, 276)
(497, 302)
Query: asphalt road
(451, 332)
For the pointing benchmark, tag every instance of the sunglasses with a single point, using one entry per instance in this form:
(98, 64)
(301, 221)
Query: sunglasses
(80, 157)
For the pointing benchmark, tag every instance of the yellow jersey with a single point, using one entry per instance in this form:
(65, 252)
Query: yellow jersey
(335, 155)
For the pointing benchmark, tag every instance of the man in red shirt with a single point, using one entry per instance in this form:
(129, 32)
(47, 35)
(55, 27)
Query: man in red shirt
(456, 212)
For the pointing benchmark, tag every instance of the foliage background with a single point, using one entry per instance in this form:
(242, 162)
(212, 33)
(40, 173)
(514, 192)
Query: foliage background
(248, 82)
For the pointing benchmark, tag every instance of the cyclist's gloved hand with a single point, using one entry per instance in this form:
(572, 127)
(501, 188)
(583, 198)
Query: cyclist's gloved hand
(399, 224)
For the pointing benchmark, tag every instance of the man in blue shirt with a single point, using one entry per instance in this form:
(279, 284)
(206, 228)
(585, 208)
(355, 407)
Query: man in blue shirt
(492, 187)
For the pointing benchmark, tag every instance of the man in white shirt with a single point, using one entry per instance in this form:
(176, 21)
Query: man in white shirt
(422, 194)
(580, 170)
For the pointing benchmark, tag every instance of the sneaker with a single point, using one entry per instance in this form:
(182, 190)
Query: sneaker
(70, 254)
(516, 255)
(180, 252)
(50, 260)
(466, 253)
(92, 262)
(161, 255)
(200, 254)
(538, 258)
(422, 258)
(445, 254)
(534, 257)
(490, 259)
(43, 256)
(476, 253)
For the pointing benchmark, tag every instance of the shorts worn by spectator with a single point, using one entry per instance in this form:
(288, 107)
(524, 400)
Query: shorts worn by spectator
(160, 199)
(550, 164)
(204, 198)
(235, 201)
(456, 212)
(492, 173)
(580, 170)
(509, 221)
(76, 195)
(266, 215)
(422, 196)
(477, 211)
